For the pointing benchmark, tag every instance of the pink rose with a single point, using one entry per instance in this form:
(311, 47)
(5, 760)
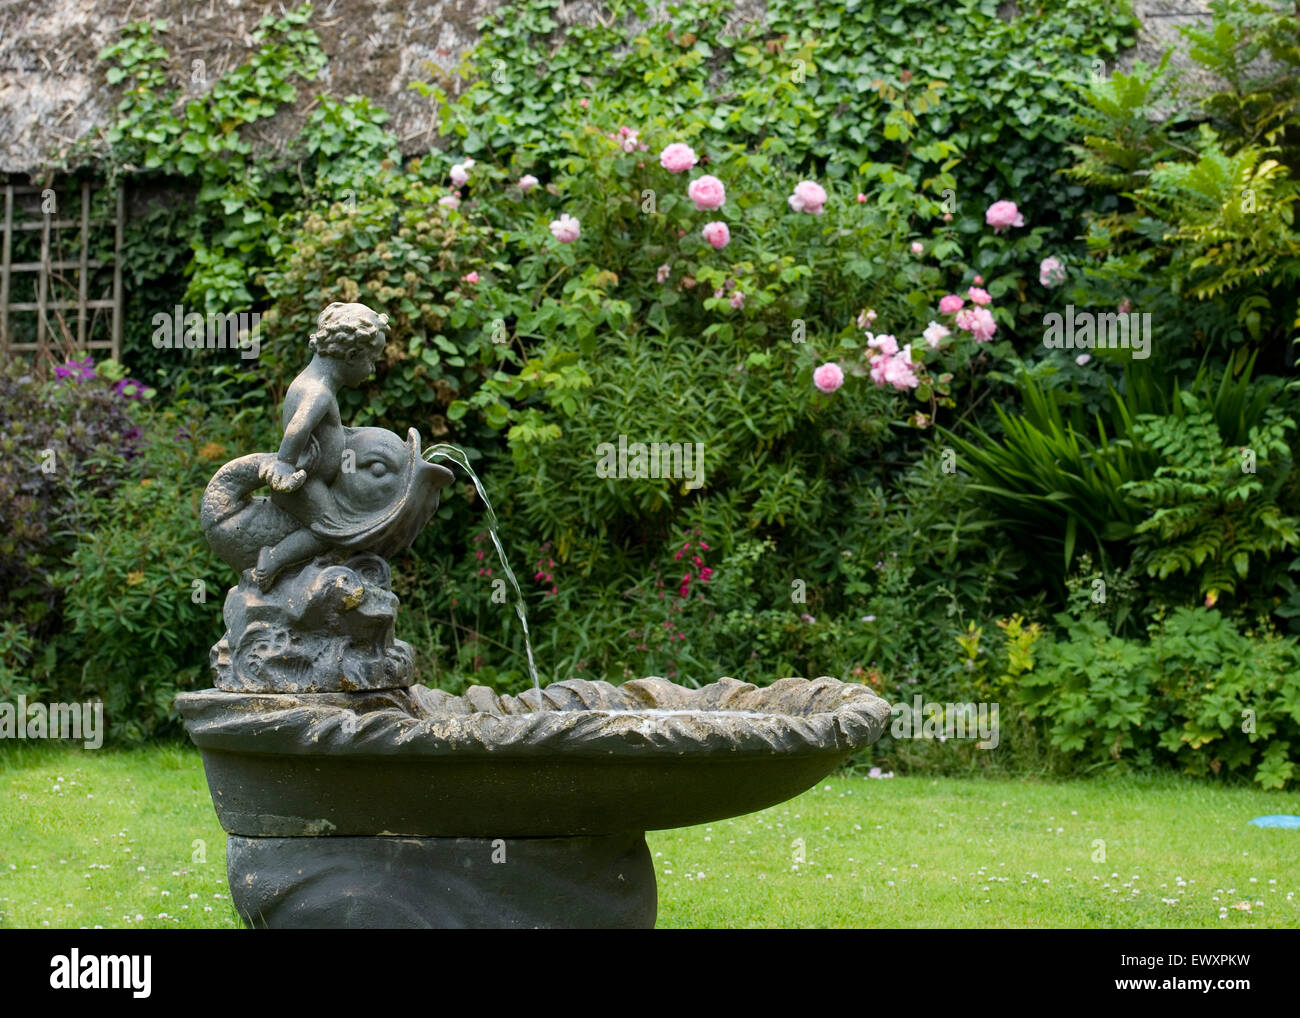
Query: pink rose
(469, 277)
(808, 197)
(1002, 214)
(917, 247)
(884, 343)
(707, 192)
(527, 182)
(459, 175)
(1051, 272)
(978, 296)
(934, 334)
(978, 322)
(662, 274)
(717, 234)
(566, 229)
(950, 304)
(866, 318)
(947, 217)
(677, 157)
(899, 372)
(737, 300)
(628, 139)
(583, 103)
(828, 377)
(449, 201)
(861, 198)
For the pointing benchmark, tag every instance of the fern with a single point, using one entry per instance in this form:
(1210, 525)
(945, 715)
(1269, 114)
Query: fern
(1213, 504)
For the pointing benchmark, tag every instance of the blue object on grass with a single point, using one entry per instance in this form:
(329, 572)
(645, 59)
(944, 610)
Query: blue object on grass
(1277, 820)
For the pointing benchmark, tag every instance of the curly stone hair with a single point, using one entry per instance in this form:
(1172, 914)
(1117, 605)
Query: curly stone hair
(342, 328)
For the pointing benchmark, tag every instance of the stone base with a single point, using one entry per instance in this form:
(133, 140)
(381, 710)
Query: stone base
(605, 882)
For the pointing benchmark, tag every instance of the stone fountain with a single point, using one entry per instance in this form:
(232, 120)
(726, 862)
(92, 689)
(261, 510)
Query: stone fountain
(354, 797)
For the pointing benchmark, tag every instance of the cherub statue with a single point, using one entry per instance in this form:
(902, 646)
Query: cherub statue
(347, 341)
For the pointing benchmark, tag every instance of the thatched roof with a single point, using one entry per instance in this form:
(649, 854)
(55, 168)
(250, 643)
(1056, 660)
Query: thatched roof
(53, 90)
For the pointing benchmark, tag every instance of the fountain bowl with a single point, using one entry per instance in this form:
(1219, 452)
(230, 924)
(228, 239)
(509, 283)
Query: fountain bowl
(577, 758)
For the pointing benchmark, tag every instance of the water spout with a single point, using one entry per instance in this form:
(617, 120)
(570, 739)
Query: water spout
(457, 455)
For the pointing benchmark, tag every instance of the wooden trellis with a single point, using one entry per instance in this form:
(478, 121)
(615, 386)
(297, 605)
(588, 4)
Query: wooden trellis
(54, 291)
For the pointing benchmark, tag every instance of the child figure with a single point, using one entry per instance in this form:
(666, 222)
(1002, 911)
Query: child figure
(348, 340)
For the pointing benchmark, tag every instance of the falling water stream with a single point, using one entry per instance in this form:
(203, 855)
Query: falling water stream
(457, 455)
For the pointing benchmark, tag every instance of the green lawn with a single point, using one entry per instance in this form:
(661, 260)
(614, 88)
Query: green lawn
(129, 838)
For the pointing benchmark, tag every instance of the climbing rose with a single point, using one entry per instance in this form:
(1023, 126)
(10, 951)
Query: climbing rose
(566, 229)
(885, 343)
(978, 322)
(899, 373)
(527, 182)
(707, 192)
(828, 377)
(459, 174)
(861, 198)
(934, 333)
(978, 296)
(470, 277)
(677, 157)
(583, 103)
(717, 234)
(917, 247)
(449, 201)
(1051, 272)
(1002, 214)
(808, 197)
(662, 274)
(737, 300)
(950, 304)
(865, 318)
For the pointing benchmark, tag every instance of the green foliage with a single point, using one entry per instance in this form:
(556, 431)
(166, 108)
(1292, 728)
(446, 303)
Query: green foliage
(65, 444)
(1214, 505)
(1200, 693)
(1206, 215)
(232, 222)
(142, 614)
(880, 81)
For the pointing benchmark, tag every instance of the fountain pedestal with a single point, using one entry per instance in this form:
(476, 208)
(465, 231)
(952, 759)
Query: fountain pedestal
(445, 883)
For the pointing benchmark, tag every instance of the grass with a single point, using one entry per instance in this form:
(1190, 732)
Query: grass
(129, 839)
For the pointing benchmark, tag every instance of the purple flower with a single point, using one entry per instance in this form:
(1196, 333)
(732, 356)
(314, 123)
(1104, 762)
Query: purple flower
(78, 371)
(129, 388)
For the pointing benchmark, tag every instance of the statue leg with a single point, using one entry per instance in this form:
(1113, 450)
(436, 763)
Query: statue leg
(300, 546)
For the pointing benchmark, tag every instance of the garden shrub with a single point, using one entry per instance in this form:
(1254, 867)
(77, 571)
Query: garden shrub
(66, 443)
